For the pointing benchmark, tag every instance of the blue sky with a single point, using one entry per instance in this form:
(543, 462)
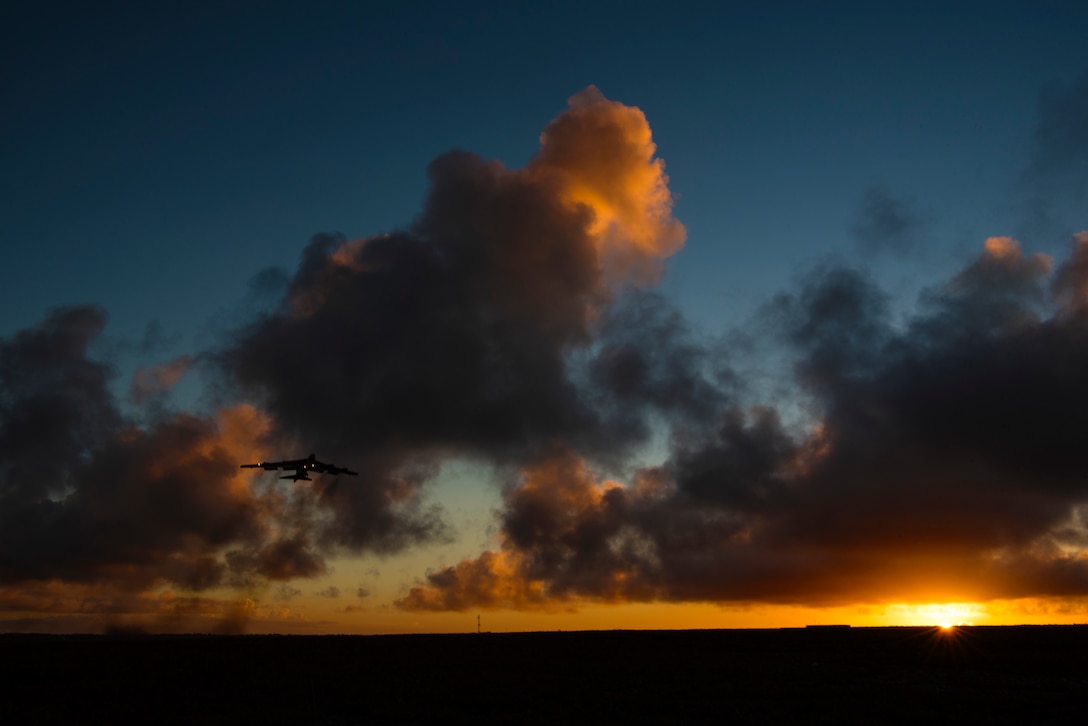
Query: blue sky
(155, 157)
(171, 162)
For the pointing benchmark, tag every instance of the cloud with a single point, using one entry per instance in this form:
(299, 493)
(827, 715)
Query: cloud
(56, 407)
(648, 360)
(58, 607)
(1070, 287)
(601, 155)
(286, 592)
(88, 496)
(565, 534)
(886, 223)
(157, 380)
(1054, 179)
(943, 459)
(510, 324)
(1061, 135)
(453, 337)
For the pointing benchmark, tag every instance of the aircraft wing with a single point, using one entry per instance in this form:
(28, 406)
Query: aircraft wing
(273, 465)
(301, 465)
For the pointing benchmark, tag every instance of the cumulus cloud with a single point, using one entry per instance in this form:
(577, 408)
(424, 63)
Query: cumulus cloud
(454, 335)
(88, 496)
(511, 324)
(602, 154)
(943, 459)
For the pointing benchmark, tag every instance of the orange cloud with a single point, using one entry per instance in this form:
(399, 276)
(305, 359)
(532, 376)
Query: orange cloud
(163, 504)
(148, 382)
(943, 467)
(1007, 251)
(603, 154)
(595, 179)
(564, 541)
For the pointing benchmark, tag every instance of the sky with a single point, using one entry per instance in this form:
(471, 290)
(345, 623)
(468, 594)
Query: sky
(628, 315)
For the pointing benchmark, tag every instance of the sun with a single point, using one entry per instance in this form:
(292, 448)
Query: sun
(946, 615)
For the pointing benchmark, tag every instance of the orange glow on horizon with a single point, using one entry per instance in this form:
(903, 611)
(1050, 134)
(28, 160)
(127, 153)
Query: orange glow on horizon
(944, 615)
(708, 616)
(261, 613)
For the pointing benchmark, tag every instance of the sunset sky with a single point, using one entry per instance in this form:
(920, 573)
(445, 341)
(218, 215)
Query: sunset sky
(629, 315)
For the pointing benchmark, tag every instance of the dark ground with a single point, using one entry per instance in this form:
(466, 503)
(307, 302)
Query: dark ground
(1022, 675)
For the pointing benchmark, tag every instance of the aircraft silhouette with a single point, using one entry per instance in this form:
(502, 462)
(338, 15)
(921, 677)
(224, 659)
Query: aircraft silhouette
(302, 467)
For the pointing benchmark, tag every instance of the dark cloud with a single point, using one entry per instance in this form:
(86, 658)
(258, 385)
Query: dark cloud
(286, 593)
(472, 332)
(838, 320)
(268, 285)
(886, 223)
(56, 607)
(1070, 286)
(56, 409)
(88, 496)
(1055, 178)
(454, 337)
(447, 339)
(934, 457)
(432, 342)
(284, 558)
(945, 460)
(647, 359)
(1061, 136)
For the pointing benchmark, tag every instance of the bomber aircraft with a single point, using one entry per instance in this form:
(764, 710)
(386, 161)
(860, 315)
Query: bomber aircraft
(302, 468)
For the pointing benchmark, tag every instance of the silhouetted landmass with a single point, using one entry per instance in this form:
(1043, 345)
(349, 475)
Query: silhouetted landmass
(1027, 674)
